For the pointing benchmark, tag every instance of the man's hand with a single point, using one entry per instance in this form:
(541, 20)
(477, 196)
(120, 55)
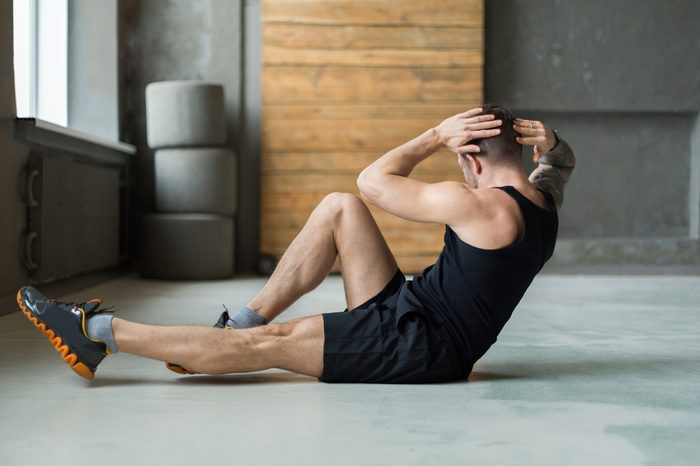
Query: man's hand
(457, 131)
(535, 133)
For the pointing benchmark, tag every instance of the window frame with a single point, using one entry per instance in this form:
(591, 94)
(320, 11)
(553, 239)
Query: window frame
(30, 82)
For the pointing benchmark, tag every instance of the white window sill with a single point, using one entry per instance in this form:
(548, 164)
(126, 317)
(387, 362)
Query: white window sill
(48, 135)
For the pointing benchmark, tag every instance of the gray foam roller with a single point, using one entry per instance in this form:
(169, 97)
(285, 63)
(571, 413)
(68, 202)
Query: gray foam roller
(195, 180)
(185, 113)
(187, 246)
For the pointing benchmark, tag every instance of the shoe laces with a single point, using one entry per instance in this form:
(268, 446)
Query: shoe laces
(76, 306)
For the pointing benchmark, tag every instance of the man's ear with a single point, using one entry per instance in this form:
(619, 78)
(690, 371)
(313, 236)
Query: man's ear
(475, 163)
(462, 161)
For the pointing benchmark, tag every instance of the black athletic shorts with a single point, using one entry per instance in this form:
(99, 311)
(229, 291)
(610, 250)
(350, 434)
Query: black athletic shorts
(377, 343)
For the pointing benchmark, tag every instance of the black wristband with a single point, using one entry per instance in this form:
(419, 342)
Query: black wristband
(557, 139)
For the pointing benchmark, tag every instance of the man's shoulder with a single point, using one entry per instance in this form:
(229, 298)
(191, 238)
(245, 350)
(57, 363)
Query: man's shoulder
(490, 201)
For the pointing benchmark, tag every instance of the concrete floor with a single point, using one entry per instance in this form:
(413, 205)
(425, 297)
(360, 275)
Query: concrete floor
(590, 370)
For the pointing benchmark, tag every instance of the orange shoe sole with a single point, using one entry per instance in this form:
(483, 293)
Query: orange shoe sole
(70, 358)
(178, 369)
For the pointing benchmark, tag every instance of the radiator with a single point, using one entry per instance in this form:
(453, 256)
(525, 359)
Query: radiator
(74, 217)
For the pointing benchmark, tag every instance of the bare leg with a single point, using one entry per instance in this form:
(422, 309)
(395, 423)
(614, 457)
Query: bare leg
(296, 346)
(341, 225)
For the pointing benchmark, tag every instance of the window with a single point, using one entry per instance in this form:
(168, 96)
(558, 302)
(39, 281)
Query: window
(65, 57)
(41, 59)
(24, 45)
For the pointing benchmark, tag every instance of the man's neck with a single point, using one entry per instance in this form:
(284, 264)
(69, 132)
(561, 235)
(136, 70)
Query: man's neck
(514, 176)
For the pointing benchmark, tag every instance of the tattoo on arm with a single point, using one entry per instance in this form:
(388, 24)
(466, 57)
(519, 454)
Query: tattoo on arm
(554, 171)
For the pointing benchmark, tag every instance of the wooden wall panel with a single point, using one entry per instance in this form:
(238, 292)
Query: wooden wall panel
(346, 81)
(351, 85)
(371, 37)
(467, 13)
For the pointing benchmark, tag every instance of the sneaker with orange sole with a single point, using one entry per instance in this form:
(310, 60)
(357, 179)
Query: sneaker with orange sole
(64, 324)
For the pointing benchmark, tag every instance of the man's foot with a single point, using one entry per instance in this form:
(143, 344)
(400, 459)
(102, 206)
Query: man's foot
(65, 326)
(221, 323)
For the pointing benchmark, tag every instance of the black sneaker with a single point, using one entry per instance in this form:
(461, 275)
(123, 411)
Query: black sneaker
(64, 325)
(223, 319)
(221, 323)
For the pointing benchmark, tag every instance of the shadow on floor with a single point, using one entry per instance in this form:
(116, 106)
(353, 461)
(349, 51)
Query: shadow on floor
(232, 379)
(492, 377)
(491, 372)
(246, 379)
(611, 368)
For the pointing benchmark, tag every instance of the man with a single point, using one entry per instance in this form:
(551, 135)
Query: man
(500, 229)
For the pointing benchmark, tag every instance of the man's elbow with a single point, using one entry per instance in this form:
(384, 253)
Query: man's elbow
(366, 186)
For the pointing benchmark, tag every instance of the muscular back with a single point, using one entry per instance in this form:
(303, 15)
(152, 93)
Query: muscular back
(500, 221)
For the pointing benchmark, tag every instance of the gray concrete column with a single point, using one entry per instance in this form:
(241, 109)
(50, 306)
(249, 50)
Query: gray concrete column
(694, 189)
(185, 113)
(187, 246)
(196, 180)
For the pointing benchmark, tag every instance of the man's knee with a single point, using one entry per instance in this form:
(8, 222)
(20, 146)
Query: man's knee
(337, 202)
(301, 328)
(296, 345)
(301, 349)
(278, 330)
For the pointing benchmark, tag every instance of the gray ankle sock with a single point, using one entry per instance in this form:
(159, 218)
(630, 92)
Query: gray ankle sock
(245, 317)
(99, 327)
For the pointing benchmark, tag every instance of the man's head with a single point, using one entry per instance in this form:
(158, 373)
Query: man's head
(496, 151)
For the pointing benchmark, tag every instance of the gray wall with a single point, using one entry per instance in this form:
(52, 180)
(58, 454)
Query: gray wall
(13, 157)
(181, 39)
(93, 91)
(621, 82)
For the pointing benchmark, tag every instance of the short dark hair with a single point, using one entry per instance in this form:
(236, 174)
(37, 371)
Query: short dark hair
(502, 148)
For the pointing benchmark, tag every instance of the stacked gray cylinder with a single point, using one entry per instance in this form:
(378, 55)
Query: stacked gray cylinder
(191, 236)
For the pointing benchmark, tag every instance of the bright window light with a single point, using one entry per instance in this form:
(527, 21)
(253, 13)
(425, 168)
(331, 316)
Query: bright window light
(41, 59)
(23, 33)
(52, 61)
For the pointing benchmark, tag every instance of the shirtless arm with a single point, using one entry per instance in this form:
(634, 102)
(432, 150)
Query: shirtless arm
(555, 157)
(386, 183)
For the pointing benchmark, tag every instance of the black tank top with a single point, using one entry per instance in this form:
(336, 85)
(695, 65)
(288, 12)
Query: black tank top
(472, 292)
